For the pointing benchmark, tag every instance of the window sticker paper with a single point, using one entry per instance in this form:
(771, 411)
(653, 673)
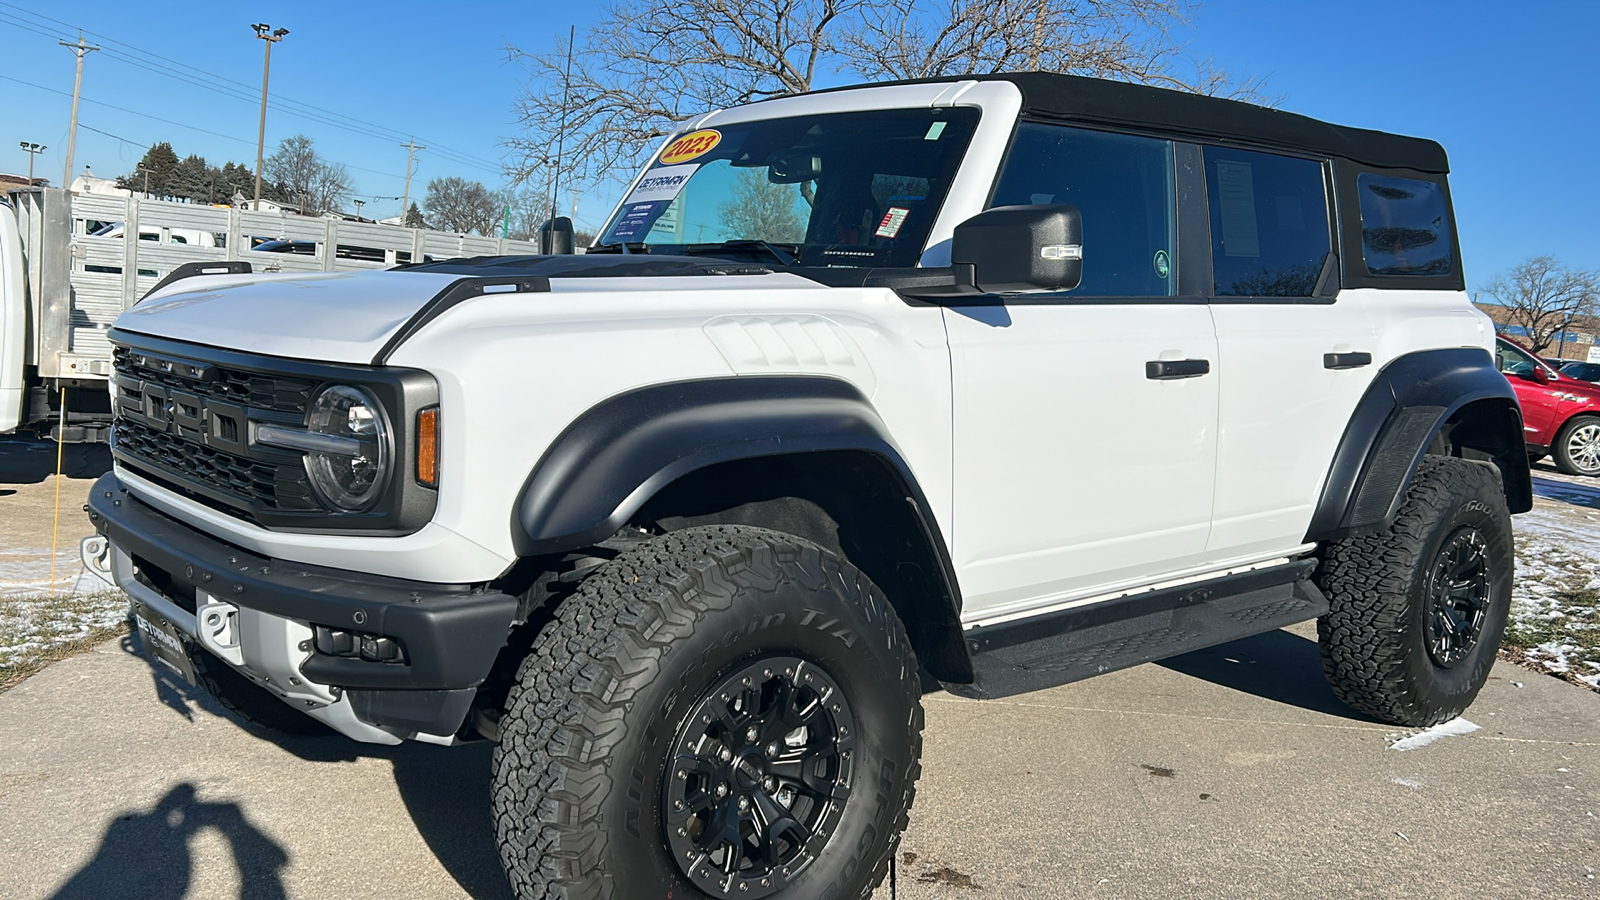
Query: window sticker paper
(892, 221)
(1236, 187)
(934, 131)
(661, 183)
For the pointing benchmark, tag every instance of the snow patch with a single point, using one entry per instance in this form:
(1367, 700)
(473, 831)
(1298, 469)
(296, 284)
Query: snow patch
(1452, 728)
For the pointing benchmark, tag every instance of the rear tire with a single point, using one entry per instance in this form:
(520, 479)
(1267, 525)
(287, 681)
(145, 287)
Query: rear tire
(1417, 610)
(248, 700)
(708, 683)
(1577, 446)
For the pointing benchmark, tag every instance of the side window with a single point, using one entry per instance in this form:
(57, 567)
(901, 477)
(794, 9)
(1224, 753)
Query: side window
(1122, 186)
(1405, 226)
(1513, 360)
(1269, 223)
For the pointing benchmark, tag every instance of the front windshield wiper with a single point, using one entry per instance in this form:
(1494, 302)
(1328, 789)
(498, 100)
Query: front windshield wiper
(784, 253)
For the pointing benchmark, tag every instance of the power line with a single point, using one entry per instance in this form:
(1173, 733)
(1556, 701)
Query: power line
(134, 112)
(339, 120)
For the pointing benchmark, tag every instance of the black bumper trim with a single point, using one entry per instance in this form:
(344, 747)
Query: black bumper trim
(451, 633)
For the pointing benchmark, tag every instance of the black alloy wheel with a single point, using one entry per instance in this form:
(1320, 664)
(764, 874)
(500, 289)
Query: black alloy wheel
(760, 776)
(1458, 594)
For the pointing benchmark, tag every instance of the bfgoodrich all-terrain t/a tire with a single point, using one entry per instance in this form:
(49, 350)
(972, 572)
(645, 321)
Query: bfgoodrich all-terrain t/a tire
(721, 712)
(1416, 611)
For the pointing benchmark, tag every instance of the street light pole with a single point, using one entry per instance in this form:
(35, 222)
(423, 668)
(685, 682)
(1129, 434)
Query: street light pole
(80, 49)
(411, 155)
(264, 32)
(32, 150)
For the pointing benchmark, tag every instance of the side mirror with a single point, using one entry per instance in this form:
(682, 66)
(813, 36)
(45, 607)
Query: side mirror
(1022, 248)
(1541, 375)
(555, 236)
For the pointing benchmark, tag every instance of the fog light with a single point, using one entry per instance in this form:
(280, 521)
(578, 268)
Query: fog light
(359, 645)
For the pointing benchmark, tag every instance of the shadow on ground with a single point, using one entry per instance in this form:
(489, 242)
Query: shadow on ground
(28, 461)
(1567, 492)
(445, 790)
(146, 854)
(1279, 666)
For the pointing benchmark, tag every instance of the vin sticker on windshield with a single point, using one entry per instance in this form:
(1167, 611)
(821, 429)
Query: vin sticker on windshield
(892, 221)
(661, 184)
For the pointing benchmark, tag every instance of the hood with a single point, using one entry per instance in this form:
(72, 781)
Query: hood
(335, 317)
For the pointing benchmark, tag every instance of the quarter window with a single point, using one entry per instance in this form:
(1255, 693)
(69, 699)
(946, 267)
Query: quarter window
(1269, 223)
(1122, 187)
(1405, 226)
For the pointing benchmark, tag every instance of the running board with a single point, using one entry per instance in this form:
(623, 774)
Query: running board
(1034, 653)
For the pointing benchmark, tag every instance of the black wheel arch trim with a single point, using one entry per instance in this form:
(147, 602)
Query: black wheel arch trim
(618, 454)
(1397, 420)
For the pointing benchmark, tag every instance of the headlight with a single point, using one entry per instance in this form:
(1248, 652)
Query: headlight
(351, 477)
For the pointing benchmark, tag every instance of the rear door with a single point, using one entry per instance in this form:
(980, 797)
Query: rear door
(1295, 356)
(1075, 470)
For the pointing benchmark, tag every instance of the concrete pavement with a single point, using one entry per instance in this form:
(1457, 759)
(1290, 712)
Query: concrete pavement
(1226, 773)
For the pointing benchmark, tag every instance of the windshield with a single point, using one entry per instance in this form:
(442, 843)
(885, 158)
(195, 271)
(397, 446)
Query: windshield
(845, 189)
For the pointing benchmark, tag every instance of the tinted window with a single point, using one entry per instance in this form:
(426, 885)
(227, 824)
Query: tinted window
(1583, 371)
(1269, 223)
(1405, 227)
(1122, 186)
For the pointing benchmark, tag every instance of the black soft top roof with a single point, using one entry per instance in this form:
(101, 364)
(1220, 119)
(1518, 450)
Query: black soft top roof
(1097, 101)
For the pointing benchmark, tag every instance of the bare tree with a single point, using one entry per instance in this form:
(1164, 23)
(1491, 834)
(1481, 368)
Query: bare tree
(1545, 297)
(759, 210)
(314, 184)
(645, 67)
(456, 204)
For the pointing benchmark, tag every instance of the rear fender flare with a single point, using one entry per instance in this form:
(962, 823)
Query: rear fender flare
(1396, 422)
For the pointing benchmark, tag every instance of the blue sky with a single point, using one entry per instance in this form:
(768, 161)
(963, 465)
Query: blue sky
(1507, 89)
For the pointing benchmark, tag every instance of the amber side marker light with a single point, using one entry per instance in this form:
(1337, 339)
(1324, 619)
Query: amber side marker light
(428, 447)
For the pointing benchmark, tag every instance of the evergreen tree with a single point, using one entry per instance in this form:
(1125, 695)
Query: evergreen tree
(413, 217)
(158, 162)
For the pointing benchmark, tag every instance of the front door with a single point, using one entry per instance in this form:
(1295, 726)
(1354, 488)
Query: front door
(1083, 457)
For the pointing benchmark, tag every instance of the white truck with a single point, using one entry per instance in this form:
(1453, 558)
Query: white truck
(68, 268)
(993, 383)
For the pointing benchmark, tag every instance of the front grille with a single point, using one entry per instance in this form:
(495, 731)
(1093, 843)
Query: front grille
(279, 393)
(185, 422)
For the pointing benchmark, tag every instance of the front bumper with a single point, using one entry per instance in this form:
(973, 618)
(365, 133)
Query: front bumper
(259, 616)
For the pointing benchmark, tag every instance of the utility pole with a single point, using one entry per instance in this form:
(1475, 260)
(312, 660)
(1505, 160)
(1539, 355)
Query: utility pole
(80, 49)
(411, 154)
(359, 204)
(264, 32)
(32, 150)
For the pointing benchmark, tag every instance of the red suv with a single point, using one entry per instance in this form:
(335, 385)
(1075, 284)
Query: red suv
(1560, 415)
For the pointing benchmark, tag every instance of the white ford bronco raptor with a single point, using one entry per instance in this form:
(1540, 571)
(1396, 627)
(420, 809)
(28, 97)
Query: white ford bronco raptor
(992, 383)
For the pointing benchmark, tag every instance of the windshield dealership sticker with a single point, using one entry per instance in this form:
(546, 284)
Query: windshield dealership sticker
(692, 145)
(661, 183)
(892, 220)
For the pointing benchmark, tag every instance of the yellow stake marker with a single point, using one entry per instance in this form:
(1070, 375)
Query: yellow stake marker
(55, 532)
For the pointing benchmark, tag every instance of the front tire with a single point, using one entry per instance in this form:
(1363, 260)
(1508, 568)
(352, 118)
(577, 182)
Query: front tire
(723, 712)
(1577, 446)
(1417, 610)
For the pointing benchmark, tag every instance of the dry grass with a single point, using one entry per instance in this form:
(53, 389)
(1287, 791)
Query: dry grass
(36, 631)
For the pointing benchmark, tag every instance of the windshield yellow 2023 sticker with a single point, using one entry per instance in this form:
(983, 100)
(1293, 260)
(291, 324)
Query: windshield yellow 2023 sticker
(691, 145)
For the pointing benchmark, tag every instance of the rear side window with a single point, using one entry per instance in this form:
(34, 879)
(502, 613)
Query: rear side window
(1121, 185)
(1269, 223)
(1405, 226)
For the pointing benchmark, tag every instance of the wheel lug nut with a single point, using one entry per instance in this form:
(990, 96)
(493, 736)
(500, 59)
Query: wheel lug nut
(722, 790)
(772, 749)
(726, 754)
(744, 802)
(768, 783)
(751, 734)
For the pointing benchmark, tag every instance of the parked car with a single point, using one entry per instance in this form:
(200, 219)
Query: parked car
(1583, 371)
(1560, 414)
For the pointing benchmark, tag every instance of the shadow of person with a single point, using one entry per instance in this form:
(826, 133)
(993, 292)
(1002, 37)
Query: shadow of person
(146, 855)
(1278, 666)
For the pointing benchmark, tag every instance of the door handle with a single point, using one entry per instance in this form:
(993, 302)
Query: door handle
(1346, 360)
(1169, 369)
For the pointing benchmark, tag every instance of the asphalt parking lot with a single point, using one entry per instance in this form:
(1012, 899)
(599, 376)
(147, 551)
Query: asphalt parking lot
(1230, 772)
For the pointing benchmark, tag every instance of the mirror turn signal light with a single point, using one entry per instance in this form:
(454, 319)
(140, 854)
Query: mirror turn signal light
(428, 447)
